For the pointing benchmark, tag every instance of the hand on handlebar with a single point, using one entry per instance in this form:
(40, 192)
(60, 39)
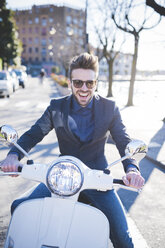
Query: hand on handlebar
(134, 179)
(10, 164)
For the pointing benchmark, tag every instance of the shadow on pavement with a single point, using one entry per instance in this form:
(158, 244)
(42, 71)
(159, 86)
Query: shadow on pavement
(127, 197)
(156, 143)
(46, 150)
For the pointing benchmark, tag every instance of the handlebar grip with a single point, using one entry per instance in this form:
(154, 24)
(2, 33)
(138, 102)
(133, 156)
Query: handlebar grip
(19, 168)
(118, 181)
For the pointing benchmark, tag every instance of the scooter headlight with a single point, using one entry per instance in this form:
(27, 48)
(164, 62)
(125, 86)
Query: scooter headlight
(64, 178)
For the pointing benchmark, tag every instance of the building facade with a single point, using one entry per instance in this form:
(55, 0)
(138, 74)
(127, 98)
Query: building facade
(121, 67)
(50, 35)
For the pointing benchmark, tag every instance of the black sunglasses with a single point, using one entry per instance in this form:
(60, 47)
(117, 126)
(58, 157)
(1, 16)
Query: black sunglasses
(79, 83)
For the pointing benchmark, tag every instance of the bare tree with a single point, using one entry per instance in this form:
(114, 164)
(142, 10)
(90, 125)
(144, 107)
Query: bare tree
(106, 34)
(127, 19)
(157, 7)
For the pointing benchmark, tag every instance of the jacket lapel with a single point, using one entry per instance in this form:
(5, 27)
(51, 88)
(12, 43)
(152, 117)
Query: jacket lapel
(98, 117)
(65, 110)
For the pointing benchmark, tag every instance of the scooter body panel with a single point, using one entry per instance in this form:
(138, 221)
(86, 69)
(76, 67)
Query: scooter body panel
(57, 223)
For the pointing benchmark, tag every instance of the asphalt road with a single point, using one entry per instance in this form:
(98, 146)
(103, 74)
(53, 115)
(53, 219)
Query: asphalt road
(147, 209)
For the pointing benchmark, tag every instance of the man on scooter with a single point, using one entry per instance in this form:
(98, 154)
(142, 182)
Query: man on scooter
(82, 122)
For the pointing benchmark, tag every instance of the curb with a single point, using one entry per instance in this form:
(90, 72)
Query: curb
(63, 90)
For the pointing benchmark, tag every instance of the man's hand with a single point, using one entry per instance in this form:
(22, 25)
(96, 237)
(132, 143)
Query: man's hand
(10, 164)
(134, 179)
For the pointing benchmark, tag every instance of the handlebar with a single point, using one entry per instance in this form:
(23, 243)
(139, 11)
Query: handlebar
(119, 183)
(10, 173)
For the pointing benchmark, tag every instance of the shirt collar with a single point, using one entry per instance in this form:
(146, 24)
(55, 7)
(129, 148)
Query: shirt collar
(76, 106)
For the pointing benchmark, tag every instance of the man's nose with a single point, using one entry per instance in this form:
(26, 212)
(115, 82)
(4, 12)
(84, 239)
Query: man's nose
(84, 87)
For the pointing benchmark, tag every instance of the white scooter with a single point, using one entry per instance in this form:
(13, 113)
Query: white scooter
(60, 221)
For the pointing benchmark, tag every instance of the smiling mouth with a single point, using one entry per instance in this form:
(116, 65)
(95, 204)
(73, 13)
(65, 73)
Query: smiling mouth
(83, 94)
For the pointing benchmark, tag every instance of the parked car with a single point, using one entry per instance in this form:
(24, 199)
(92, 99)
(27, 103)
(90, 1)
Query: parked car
(6, 85)
(15, 80)
(22, 77)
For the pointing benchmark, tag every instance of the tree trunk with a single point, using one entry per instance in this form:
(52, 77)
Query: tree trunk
(66, 72)
(133, 72)
(110, 77)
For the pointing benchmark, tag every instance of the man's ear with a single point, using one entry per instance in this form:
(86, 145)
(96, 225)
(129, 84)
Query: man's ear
(69, 83)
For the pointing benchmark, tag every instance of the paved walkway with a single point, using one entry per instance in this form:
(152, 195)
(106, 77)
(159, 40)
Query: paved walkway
(143, 125)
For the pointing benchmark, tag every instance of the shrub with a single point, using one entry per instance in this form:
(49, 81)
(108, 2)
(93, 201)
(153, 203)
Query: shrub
(60, 79)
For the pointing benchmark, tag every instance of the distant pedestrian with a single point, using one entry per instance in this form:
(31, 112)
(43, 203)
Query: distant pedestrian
(42, 76)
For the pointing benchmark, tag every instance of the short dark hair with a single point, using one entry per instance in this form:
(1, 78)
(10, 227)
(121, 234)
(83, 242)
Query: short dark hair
(84, 61)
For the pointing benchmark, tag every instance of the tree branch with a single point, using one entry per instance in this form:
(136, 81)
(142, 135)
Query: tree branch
(158, 8)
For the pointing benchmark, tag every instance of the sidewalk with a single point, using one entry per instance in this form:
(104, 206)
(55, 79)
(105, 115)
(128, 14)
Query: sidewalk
(143, 125)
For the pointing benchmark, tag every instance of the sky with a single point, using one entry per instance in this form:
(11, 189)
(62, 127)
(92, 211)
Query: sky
(151, 55)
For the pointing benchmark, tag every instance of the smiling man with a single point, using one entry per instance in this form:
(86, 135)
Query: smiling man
(83, 85)
(82, 122)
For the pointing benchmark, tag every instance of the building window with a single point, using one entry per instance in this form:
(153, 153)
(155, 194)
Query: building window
(24, 40)
(36, 49)
(30, 49)
(81, 42)
(51, 10)
(43, 42)
(51, 20)
(37, 30)
(68, 19)
(43, 21)
(44, 59)
(24, 30)
(43, 31)
(68, 10)
(50, 40)
(81, 22)
(76, 31)
(37, 9)
(30, 21)
(30, 40)
(30, 30)
(36, 59)
(75, 21)
(36, 20)
(80, 32)
(43, 51)
(36, 40)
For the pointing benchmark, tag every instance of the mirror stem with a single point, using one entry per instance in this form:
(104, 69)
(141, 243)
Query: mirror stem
(119, 160)
(23, 151)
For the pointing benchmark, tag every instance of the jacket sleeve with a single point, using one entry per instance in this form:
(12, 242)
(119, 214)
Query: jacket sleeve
(35, 134)
(120, 137)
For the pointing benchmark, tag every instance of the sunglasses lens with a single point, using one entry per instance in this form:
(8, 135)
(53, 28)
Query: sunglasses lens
(90, 84)
(79, 83)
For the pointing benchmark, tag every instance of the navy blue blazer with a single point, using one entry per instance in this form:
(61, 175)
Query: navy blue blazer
(107, 119)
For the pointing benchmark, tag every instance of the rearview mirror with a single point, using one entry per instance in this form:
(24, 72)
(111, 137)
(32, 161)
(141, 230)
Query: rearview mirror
(8, 134)
(136, 149)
